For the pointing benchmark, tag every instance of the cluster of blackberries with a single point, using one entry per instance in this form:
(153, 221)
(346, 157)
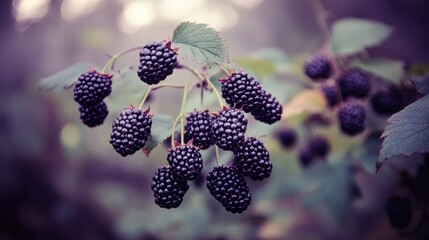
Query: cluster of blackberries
(317, 148)
(90, 90)
(241, 90)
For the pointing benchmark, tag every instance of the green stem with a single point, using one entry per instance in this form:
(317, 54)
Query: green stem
(112, 60)
(217, 154)
(182, 112)
(167, 85)
(174, 129)
(149, 89)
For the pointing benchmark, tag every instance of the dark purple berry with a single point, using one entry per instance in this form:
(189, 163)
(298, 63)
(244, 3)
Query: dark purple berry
(306, 157)
(157, 61)
(253, 159)
(270, 111)
(351, 117)
(331, 95)
(240, 90)
(399, 211)
(168, 189)
(94, 115)
(130, 131)
(228, 186)
(199, 129)
(229, 127)
(319, 145)
(186, 161)
(388, 101)
(318, 67)
(354, 83)
(92, 87)
(287, 137)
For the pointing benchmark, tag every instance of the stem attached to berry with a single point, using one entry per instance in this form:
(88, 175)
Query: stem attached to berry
(174, 129)
(182, 112)
(149, 89)
(203, 78)
(217, 154)
(109, 65)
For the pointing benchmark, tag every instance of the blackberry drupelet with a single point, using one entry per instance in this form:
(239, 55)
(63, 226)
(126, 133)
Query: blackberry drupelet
(130, 131)
(228, 186)
(270, 111)
(318, 67)
(287, 137)
(240, 90)
(319, 145)
(354, 83)
(157, 61)
(331, 94)
(92, 87)
(400, 212)
(199, 129)
(185, 161)
(387, 102)
(168, 189)
(352, 118)
(94, 115)
(253, 159)
(229, 127)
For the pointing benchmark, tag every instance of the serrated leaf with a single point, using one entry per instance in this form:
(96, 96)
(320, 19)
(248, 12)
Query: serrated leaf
(200, 43)
(162, 126)
(422, 85)
(354, 35)
(392, 70)
(408, 131)
(64, 79)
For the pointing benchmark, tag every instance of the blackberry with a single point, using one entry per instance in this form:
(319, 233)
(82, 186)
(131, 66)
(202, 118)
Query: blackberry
(228, 186)
(253, 159)
(319, 145)
(352, 118)
(354, 83)
(318, 67)
(92, 87)
(287, 137)
(130, 131)
(306, 157)
(199, 129)
(271, 110)
(240, 90)
(94, 115)
(331, 94)
(387, 102)
(157, 61)
(229, 127)
(168, 189)
(399, 211)
(186, 161)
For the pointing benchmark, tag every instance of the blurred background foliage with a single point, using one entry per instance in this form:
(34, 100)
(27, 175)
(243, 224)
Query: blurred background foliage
(61, 180)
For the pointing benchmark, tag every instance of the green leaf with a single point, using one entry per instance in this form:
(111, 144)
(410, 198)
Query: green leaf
(64, 79)
(162, 126)
(200, 43)
(422, 85)
(388, 69)
(408, 131)
(354, 35)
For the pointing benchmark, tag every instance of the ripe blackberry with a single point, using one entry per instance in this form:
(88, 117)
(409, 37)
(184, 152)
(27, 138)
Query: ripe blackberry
(400, 212)
(352, 118)
(270, 111)
(387, 102)
(253, 159)
(331, 94)
(319, 145)
(186, 161)
(157, 61)
(287, 137)
(240, 90)
(228, 186)
(92, 87)
(229, 127)
(130, 131)
(306, 157)
(94, 115)
(318, 67)
(199, 129)
(354, 83)
(168, 189)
